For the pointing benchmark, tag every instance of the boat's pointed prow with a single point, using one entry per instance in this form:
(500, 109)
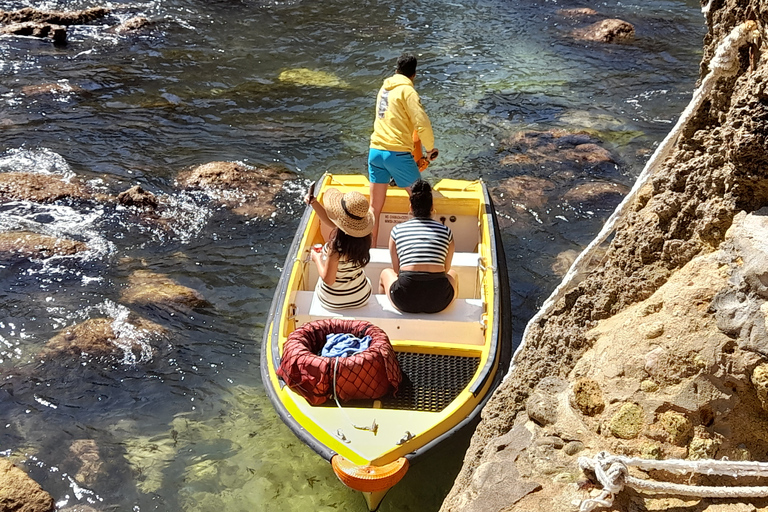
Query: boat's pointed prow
(372, 481)
(374, 499)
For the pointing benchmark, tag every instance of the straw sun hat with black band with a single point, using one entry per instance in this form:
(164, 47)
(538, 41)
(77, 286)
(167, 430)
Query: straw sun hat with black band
(350, 212)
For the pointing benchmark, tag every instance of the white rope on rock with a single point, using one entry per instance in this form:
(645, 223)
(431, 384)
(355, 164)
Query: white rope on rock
(724, 63)
(612, 471)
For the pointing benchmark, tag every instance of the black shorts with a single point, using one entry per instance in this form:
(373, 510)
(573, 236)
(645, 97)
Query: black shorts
(421, 292)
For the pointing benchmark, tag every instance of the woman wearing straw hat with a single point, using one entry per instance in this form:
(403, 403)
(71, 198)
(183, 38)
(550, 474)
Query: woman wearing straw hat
(340, 262)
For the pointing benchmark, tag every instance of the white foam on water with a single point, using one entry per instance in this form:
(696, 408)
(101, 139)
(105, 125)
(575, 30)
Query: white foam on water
(187, 218)
(41, 161)
(60, 221)
(127, 335)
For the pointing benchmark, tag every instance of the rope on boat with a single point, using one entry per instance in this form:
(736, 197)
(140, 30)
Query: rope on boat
(724, 63)
(373, 427)
(612, 472)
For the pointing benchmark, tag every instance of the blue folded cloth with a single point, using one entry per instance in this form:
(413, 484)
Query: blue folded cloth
(343, 345)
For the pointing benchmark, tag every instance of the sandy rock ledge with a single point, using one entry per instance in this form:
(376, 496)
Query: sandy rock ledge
(660, 351)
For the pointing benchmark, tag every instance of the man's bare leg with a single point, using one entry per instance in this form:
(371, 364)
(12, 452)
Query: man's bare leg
(378, 197)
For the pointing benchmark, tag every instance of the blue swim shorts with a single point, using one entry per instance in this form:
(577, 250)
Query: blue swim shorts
(400, 165)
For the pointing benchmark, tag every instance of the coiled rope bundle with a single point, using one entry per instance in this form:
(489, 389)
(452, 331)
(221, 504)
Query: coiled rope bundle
(612, 471)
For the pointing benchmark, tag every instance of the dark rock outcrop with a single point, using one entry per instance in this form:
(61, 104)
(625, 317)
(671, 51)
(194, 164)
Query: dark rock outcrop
(30, 14)
(56, 33)
(606, 31)
(132, 25)
(103, 338)
(247, 190)
(19, 245)
(40, 188)
(149, 289)
(47, 24)
(137, 197)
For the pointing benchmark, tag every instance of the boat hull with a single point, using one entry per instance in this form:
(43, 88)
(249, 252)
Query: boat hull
(470, 342)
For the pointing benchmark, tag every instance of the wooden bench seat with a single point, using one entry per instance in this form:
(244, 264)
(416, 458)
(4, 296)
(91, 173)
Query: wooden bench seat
(461, 322)
(464, 263)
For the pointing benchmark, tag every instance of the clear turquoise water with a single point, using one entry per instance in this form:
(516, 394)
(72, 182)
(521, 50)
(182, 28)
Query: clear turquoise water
(190, 428)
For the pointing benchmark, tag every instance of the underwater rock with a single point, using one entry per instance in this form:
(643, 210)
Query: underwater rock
(103, 337)
(554, 147)
(56, 33)
(247, 190)
(137, 197)
(56, 88)
(522, 191)
(597, 193)
(81, 17)
(149, 456)
(311, 78)
(39, 188)
(132, 25)
(86, 451)
(19, 493)
(20, 245)
(149, 289)
(577, 12)
(606, 31)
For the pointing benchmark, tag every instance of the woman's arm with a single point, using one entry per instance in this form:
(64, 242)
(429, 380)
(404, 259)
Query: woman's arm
(326, 267)
(319, 210)
(393, 255)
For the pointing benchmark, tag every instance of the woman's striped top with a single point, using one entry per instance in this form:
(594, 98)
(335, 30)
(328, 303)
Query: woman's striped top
(421, 241)
(350, 290)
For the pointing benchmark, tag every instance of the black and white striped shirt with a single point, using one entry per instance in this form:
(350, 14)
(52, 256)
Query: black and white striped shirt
(421, 241)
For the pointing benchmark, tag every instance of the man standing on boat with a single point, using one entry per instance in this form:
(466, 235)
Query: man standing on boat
(398, 114)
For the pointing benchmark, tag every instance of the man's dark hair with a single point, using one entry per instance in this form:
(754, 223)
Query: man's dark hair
(406, 65)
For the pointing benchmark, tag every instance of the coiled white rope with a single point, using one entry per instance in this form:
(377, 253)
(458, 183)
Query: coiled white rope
(612, 471)
(724, 63)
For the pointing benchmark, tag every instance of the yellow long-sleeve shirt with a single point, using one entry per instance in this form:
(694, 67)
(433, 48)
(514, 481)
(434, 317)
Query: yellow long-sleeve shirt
(398, 114)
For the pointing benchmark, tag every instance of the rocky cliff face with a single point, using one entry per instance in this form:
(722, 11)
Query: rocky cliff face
(662, 350)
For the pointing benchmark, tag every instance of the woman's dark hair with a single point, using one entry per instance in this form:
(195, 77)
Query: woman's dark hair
(421, 200)
(354, 249)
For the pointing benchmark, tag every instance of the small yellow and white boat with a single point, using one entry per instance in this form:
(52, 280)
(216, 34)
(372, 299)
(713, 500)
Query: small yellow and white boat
(450, 361)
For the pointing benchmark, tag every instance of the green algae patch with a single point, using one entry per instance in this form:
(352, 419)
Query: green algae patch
(311, 78)
(628, 422)
(760, 381)
(588, 397)
(704, 444)
(651, 451)
(242, 459)
(679, 429)
(149, 456)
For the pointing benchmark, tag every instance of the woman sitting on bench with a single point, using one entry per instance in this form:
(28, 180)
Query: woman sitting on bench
(340, 262)
(421, 279)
